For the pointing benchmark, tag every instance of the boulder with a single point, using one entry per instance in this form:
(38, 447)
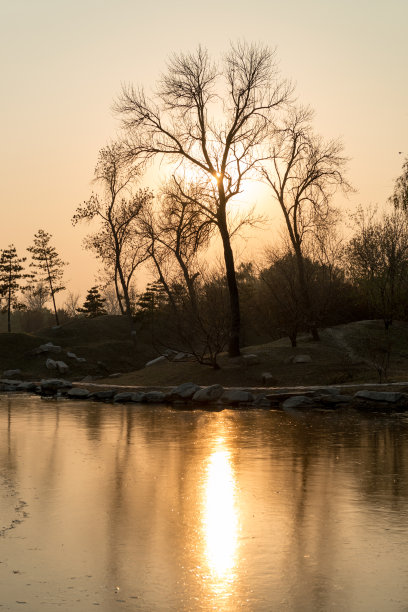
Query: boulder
(102, 396)
(53, 385)
(297, 401)
(250, 359)
(50, 364)
(302, 359)
(26, 386)
(380, 396)
(71, 355)
(11, 373)
(236, 396)
(261, 401)
(185, 391)
(49, 347)
(156, 361)
(128, 396)
(208, 394)
(77, 393)
(267, 378)
(154, 397)
(180, 356)
(62, 367)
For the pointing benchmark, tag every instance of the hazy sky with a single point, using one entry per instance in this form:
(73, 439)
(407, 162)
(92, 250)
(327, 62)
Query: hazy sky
(63, 63)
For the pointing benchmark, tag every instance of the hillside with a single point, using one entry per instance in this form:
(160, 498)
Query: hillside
(353, 353)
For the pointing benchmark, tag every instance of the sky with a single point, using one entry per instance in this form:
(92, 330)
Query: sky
(63, 63)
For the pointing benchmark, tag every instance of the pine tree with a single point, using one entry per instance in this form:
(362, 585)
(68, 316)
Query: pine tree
(11, 273)
(48, 265)
(94, 304)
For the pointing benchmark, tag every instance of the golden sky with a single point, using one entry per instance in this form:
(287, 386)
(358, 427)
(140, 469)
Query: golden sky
(63, 63)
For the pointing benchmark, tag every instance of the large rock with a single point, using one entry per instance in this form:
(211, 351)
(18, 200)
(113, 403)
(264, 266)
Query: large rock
(380, 396)
(185, 391)
(49, 347)
(208, 394)
(78, 393)
(129, 396)
(102, 396)
(250, 359)
(154, 397)
(236, 396)
(156, 361)
(261, 401)
(26, 386)
(53, 385)
(302, 359)
(297, 401)
(11, 373)
(50, 364)
(62, 367)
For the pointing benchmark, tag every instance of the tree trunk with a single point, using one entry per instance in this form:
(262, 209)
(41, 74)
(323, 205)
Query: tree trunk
(306, 296)
(234, 338)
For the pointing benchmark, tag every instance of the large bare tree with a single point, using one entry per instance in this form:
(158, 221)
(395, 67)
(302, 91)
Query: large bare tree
(303, 172)
(212, 121)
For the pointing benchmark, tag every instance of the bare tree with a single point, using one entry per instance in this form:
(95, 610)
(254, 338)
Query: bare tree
(303, 172)
(212, 121)
(399, 198)
(117, 242)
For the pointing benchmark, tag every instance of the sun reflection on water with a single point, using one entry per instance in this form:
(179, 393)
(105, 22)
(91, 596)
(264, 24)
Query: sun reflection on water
(220, 521)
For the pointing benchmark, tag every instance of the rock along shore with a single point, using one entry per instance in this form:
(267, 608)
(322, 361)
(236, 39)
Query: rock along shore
(216, 397)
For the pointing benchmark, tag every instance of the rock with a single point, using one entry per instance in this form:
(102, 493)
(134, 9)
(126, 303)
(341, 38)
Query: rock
(71, 355)
(50, 364)
(88, 378)
(327, 391)
(267, 378)
(62, 367)
(102, 396)
(208, 394)
(250, 359)
(49, 347)
(261, 401)
(334, 400)
(184, 391)
(81, 359)
(11, 373)
(236, 396)
(154, 397)
(77, 393)
(302, 359)
(156, 361)
(180, 356)
(52, 385)
(297, 401)
(115, 375)
(10, 382)
(129, 396)
(27, 386)
(380, 396)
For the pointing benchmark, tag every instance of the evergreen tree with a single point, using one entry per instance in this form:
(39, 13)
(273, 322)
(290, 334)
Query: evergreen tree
(94, 304)
(11, 273)
(48, 265)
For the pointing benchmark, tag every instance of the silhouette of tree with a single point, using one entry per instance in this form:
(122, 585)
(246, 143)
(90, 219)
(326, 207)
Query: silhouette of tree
(212, 121)
(48, 266)
(399, 198)
(304, 172)
(93, 305)
(117, 242)
(11, 273)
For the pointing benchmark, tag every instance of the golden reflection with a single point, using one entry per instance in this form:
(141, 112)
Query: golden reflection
(220, 516)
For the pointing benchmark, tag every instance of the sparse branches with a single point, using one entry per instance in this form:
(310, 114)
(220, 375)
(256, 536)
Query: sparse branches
(11, 274)
(48, 266)
(182, 124)
(399, 198)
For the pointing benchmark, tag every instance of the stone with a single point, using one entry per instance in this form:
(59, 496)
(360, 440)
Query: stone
(380, 396)
(154, 397)
(62, 367)
(129, 396)
(27, 386)
(102, 396)
(156, 361)
(297, 401)
(327, 391)
(180, 356)
(11, 373)
(261, 401)
(250, 359)
(302, 359)
(81, 359)
(49, 347)
(50, 364)
(88, 378)
(267, 378)
(71, 355)
(208, 394)
(10, 382)
(115, 375)
(184, 391)
(78, 393)
(52, 385)
(236, 396)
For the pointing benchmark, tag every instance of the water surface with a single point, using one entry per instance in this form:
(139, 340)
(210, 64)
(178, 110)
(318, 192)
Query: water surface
(152, 509)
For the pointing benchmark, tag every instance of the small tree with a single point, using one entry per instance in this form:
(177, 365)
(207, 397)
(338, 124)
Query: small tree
(11, 273)
(399, 198)
(48, 266)
(93, 305)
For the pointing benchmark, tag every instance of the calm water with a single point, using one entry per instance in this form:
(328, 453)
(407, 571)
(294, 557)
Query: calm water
(152, 509)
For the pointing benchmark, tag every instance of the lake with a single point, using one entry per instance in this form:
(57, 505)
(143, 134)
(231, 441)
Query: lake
(148, 508)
